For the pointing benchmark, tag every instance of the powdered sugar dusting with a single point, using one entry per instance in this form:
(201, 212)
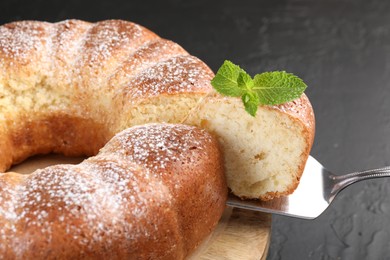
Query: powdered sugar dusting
(156, 145)
(105, 47)
(8, 195)
(109, 36)
(145, 57)
(300, 108)
(103, 39)
(149, 54)
(67, 42)
(181, 74)
(91, 205)
(17, 40)
(101, 202)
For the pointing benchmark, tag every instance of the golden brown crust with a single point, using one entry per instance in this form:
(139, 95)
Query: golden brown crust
(138, 199)
(186, 169)
(57, 133)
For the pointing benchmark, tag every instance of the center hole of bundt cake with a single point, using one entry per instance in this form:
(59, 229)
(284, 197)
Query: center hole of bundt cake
(41, 161)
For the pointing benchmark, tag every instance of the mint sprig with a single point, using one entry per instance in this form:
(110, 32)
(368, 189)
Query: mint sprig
(268, 88)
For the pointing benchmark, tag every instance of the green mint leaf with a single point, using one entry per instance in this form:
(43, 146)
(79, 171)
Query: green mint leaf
(245, 82)
(278, 87)
(225, 81)
(268, 88)
(251, 103)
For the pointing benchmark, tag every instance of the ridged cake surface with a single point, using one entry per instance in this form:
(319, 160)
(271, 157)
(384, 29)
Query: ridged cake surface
(153, 192)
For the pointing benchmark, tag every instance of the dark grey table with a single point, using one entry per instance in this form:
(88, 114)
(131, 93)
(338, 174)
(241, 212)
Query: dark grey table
(341, 48)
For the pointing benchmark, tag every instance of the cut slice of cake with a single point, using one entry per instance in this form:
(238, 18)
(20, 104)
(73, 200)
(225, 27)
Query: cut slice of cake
(264, 155)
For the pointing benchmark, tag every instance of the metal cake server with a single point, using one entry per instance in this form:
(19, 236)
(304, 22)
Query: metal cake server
(316, 190)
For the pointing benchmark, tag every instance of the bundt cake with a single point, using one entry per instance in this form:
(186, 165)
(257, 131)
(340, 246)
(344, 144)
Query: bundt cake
(69, 87)
(152, 192)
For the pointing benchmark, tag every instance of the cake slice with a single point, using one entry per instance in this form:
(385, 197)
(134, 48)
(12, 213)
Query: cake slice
(264, 155)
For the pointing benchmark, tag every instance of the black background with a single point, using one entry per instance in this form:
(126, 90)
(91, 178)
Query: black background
(341, 48)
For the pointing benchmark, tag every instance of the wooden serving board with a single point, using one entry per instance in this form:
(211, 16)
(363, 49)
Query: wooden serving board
(240, 234)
